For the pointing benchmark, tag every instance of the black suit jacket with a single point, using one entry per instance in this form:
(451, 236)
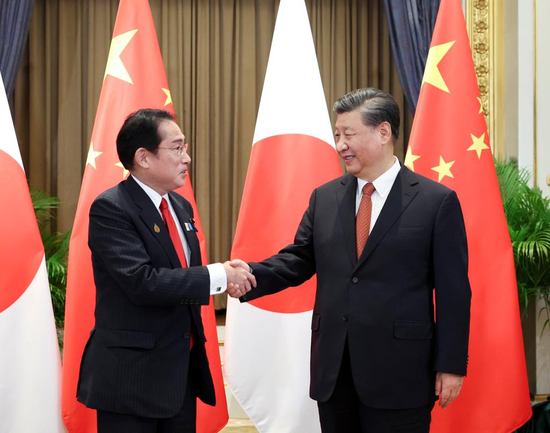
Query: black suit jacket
(383, 303)
(137, 358)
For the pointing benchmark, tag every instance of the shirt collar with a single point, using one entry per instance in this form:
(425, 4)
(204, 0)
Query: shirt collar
(384, 182)
(155, 197)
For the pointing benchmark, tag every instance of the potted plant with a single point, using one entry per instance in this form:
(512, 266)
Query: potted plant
(56, 249)
(528, 216)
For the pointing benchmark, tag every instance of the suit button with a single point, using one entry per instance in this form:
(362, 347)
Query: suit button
(346, 317)
(355, 280)
(186, 335)
(186, 302)
(182, 302)
(197, 302)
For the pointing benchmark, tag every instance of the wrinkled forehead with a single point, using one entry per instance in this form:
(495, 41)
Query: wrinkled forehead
(348, 120)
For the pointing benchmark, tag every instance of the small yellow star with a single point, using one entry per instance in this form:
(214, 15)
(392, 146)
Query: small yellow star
(410, 158)
(443, 169)
(478, 144)
(431, 73)
(480, 105)
(168, 96)
(124, 171)
(92, 155)
(115, 67)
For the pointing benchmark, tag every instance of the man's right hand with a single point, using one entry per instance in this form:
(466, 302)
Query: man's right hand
(239, 280)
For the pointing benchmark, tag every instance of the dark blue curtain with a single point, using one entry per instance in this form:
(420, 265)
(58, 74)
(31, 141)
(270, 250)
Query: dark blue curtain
(15, 17)
(411, 24)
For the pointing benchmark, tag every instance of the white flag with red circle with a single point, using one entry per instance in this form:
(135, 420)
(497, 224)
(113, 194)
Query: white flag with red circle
(267, 347)
(30, 365)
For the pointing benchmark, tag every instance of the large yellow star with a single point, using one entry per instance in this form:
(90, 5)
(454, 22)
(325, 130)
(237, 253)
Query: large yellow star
(478, 145)
(443, 169)
(431, 73)
(124, 171)
(115, 67)
(168, 97)
(410, 158)
(92, 155)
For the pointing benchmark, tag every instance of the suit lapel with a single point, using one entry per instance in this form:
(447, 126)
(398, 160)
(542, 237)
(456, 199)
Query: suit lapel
(400, 196)
(345, 197)
(190, 235)
(152, 219)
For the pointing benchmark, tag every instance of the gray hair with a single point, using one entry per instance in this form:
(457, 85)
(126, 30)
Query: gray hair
(374, 105)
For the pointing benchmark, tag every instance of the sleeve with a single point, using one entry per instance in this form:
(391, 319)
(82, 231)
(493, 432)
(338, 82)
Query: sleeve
(218, 278)
(452, 288)
(120, 255)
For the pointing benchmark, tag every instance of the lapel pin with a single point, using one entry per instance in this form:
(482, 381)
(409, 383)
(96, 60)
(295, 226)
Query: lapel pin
(156, 228)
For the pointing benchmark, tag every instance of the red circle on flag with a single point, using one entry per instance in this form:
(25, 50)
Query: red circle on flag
(21, 248)
(283, 172)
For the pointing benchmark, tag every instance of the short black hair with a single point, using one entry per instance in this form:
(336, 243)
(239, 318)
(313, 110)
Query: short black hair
(374, 105)
(140, 129)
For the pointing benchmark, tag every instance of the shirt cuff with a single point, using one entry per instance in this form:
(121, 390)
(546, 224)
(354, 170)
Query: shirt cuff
(218, 278)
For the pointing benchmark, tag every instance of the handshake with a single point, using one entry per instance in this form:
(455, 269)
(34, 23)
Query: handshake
(239, 278)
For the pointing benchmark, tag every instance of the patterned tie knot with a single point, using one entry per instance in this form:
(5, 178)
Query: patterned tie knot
(368, 189)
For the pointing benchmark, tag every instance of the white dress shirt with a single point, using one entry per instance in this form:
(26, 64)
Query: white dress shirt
(382, 186)
(218, 277)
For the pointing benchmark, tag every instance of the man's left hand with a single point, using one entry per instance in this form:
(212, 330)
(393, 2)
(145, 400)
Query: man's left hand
(447, 387)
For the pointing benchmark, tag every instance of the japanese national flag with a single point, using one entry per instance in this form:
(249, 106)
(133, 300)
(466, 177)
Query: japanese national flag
(30, 365)
(267, 347)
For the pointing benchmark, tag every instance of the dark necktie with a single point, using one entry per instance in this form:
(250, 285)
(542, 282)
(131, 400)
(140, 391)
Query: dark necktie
(362, 221)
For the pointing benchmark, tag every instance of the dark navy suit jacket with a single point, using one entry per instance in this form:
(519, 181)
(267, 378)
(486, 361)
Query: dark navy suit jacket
(137, 358)
(383, 303)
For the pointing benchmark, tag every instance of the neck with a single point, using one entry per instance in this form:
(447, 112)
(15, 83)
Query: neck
(372, 173)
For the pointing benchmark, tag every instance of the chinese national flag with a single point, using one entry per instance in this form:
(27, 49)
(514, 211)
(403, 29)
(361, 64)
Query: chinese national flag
(134, 79)
(267, 349)
(449, 144)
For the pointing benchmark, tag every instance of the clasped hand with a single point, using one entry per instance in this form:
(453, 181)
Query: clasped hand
(239, 278)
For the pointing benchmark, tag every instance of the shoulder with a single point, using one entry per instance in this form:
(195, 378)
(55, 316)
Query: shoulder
(336, 184)
(424, 184)
(113, 194)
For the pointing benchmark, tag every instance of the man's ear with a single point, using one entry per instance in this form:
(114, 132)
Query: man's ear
(384, 129)
(141, 158)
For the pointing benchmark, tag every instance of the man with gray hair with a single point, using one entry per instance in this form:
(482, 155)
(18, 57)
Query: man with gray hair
(380, 239)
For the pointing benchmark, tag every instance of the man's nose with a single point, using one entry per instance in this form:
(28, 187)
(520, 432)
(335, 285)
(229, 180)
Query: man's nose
(341, 144)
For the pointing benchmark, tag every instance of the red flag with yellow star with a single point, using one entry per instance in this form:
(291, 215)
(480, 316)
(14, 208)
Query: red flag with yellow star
(449, 144)
(134, 78)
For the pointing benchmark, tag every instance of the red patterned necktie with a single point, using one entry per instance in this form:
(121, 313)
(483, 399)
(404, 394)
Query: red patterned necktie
(176, 240)
(362, 221)
(173, 231)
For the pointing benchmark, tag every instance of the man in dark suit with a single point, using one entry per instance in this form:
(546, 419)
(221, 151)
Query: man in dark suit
(145, 362)
(380, 239)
